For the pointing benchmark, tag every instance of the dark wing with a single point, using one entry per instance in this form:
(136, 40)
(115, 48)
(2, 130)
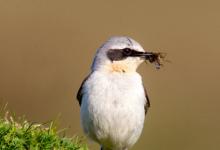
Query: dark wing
(147, 104)
(80, 91)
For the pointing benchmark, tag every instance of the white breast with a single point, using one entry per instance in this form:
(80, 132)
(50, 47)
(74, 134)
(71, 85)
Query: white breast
(112, 110)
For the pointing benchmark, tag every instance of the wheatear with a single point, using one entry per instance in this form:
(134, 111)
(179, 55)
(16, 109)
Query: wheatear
(113, 99)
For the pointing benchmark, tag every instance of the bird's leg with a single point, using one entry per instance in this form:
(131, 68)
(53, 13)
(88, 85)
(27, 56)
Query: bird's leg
(104, 148)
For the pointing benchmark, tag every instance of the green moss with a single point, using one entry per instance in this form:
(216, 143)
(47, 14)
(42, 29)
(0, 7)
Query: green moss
(32, 136)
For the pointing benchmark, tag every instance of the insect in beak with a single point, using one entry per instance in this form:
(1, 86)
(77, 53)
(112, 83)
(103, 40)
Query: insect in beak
(156, 58)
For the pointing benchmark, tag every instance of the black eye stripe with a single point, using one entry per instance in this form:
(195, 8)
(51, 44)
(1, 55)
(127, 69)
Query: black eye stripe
(120, 54)
(127, 51)
(115, 55)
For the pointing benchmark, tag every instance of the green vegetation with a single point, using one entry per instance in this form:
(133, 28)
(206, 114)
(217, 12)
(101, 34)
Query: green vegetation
(32, 136)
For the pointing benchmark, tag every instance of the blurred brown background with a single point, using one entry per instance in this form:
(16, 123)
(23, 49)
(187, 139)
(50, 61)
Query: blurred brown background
(46, 48)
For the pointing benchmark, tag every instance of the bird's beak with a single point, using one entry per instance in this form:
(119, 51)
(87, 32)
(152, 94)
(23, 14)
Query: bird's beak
(152, 57)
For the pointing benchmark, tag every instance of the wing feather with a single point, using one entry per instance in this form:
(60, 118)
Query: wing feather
(80, 92)
(147, 104)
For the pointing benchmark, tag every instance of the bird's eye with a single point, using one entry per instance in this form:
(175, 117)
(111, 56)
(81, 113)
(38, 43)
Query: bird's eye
(127, 51)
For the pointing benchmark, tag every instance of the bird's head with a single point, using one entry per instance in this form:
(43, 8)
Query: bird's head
(119, 54)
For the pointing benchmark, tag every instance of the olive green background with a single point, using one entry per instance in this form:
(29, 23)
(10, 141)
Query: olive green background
(47, 46)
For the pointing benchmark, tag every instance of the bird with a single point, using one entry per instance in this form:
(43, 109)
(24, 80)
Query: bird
(113, 99)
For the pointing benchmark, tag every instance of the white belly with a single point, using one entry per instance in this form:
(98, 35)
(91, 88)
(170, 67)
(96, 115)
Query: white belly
(112, 110)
